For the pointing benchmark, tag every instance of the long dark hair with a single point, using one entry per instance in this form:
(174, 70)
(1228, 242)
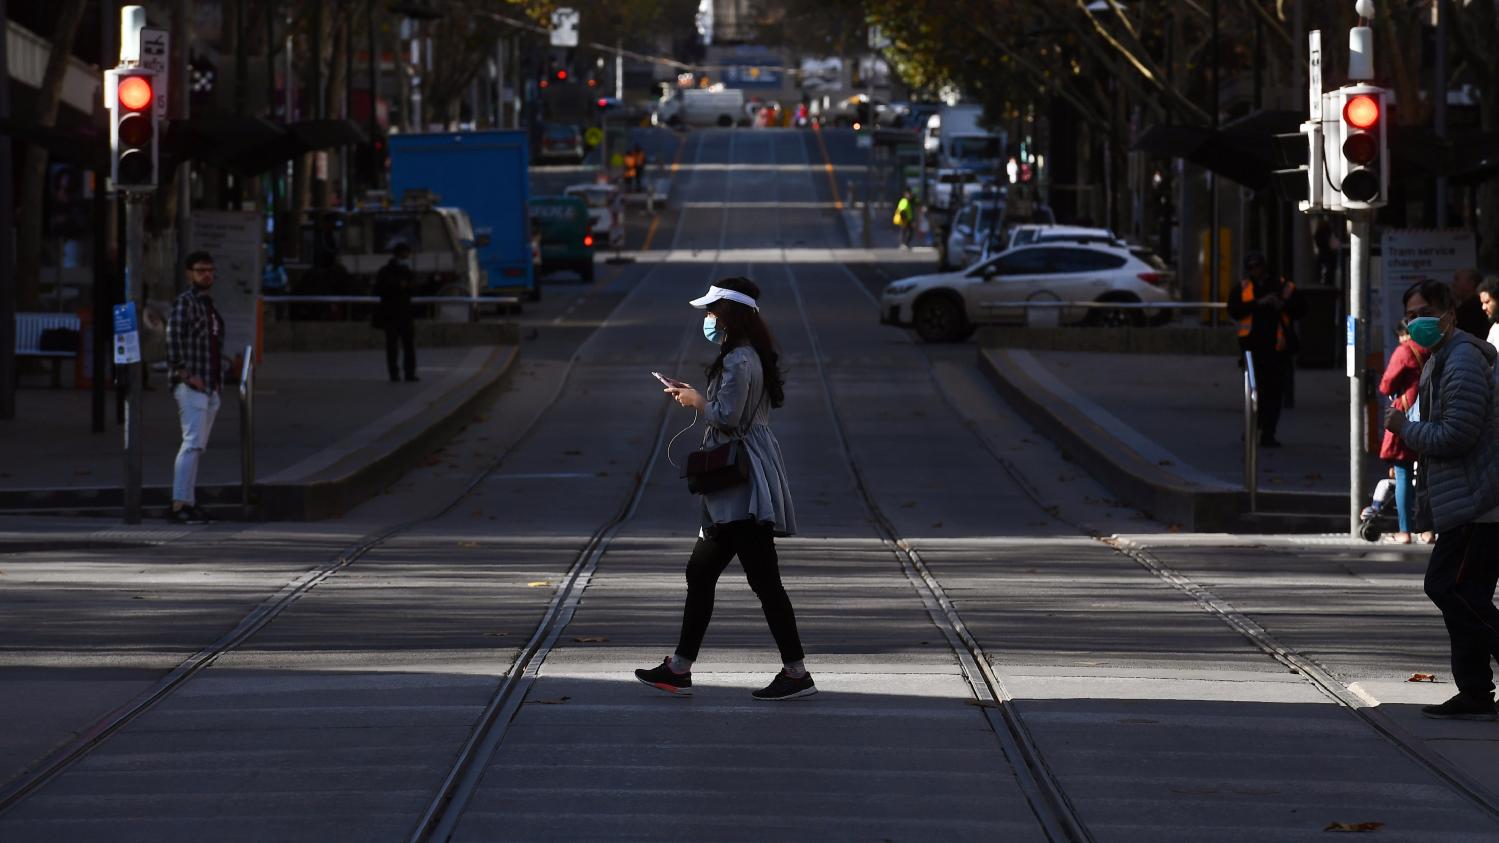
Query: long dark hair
(742, 325)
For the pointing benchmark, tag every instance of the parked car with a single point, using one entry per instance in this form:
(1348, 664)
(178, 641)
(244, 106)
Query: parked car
(946, 186)
(606, 212)
(561, 142)
(863, 110)
(980, 222)
(566, 234)
(945, 307)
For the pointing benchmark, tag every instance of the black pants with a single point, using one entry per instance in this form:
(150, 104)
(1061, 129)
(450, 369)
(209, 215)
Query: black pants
(406, 336)
(1270, 369)
(756, 549)
(907, 231)
(1460, 579)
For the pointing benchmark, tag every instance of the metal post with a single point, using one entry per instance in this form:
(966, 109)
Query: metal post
(374, 86)
(1359, 231)
(1213, 257)
(103, 218)
(180, 88)
(1439, 103)
(1251, 441)
(7, 235)
(247, 433)
(619, 71)
(135, 232)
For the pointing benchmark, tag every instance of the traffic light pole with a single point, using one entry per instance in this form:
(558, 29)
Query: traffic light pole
(1360, 232)
(135, 233)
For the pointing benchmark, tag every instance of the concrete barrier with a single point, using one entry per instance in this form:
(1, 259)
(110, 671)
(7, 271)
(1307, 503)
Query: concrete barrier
(1112, 453)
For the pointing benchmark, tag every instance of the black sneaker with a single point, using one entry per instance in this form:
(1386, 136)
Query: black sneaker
(1463, 707)
(202, 515)
(784, 687)
(663, 678)
(185, 515)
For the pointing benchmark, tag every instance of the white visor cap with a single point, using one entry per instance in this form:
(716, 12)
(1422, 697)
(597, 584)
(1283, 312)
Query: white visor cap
(716, 293)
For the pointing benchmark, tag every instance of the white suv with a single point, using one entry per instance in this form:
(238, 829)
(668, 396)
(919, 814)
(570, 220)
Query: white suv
(946, 306)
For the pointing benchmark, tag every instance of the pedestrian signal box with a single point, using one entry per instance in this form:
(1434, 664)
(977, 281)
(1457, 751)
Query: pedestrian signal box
(130, 95)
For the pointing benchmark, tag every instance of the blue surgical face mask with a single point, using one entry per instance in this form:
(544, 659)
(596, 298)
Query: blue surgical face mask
(711, 331)
(1425, 331)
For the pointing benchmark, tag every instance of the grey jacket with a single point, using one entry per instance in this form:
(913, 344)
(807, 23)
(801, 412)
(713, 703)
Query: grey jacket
(1457, 438)
(732, 398)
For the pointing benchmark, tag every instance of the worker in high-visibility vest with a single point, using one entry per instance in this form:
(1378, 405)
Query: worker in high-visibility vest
(1267, 307)
(634, 163)
(905, 218)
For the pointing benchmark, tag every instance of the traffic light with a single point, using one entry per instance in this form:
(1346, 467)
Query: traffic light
(130, 93)
(1366, 167)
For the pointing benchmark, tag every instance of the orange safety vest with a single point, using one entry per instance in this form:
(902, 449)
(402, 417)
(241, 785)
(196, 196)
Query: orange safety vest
(1246, 295)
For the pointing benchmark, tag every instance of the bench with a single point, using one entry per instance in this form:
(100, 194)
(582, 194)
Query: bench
(29, 330)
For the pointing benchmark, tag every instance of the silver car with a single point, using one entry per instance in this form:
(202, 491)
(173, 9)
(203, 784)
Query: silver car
(1029, 285)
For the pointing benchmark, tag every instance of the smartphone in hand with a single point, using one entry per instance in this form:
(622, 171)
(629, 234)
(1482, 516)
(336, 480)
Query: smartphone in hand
(671, 382)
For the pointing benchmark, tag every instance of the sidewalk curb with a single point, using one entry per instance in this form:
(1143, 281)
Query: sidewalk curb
(1136, 480)
(367, 471)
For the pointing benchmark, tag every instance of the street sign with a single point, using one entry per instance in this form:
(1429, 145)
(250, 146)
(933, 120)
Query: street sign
(594, 136)
(565, 27)
(127, 334)
(155, 47)
(1351, 341)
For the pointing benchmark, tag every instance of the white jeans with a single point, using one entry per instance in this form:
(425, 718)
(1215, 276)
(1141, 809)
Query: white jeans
(196, 410)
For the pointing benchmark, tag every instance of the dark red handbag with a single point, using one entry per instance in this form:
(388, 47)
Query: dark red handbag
(725, 466)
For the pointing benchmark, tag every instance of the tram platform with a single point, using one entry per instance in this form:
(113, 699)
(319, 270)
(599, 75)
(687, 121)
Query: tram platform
(329, 430)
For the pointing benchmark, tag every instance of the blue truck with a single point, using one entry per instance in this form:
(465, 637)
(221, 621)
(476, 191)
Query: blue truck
(484, 174)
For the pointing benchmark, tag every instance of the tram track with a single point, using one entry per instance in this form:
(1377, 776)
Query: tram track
(1049, 803)
(96, 733)
(445, 810)
(1353, 700)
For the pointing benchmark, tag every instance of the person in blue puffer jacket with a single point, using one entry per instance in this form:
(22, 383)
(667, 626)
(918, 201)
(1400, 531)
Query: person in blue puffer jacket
(1457, 447)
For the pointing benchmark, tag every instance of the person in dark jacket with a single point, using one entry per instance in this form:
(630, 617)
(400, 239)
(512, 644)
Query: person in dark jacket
(1267, 308)
(393, 284)
(1456, 442)
(1470, 315)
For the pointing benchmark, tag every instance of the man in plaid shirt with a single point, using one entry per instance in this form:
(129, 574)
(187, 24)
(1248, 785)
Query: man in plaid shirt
(195, 350)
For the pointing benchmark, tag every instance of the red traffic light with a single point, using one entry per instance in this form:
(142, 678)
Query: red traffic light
(561, 75)
(603, 102)
(1361, 112)
(135, 93)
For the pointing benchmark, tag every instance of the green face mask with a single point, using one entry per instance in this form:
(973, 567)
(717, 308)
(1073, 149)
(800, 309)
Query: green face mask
(1425, 331)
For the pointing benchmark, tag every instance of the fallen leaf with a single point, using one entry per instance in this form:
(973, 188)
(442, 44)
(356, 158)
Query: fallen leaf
(1422, 677)
(1354, 827)
(468, 544)
(1173, 528)
(538, 584)
(558, 701)
(589, 639)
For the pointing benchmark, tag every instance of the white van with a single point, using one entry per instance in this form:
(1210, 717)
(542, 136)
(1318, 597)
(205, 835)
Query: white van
(700, 107)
